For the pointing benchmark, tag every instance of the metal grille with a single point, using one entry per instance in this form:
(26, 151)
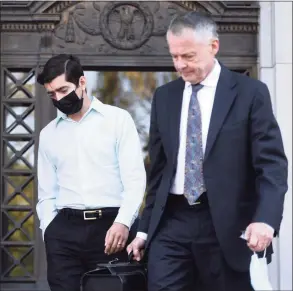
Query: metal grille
(17, 175)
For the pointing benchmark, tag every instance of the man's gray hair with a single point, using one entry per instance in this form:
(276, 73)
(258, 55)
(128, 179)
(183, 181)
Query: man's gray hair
(203, 25)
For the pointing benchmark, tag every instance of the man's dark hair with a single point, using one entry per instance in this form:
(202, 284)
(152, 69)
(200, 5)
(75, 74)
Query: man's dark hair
(61, 64)
(196, 21)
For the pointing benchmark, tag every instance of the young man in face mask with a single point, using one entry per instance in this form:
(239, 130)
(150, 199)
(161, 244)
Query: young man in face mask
(91, 177)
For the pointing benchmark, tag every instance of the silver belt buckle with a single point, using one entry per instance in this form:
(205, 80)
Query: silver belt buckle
(90, 211)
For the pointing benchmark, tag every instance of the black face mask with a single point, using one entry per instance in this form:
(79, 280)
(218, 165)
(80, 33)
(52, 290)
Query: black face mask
(69, 104)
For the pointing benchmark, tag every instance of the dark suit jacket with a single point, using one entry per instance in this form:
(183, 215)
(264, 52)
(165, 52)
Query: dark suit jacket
(245, 168)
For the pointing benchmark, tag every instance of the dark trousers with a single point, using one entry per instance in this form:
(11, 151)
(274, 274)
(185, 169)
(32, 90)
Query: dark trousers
(185, 254)
(73, 247)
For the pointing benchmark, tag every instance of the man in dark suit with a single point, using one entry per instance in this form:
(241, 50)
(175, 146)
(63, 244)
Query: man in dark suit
(217, 168)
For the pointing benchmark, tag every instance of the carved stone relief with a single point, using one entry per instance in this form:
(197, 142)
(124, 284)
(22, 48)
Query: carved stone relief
(124, 30)
(126, 26)
(109, 27)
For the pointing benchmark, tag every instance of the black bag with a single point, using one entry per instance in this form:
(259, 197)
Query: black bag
(116, 276)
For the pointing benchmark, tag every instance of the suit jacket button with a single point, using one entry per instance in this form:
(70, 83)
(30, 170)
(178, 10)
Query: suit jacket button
(162, 207)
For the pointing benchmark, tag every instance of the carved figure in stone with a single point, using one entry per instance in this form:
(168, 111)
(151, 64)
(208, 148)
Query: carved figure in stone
(127, 17)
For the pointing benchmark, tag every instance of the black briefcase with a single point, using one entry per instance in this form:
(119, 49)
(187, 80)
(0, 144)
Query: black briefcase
(116, 276)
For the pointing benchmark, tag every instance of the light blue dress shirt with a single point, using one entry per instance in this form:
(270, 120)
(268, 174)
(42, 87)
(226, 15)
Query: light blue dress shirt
(94, 163)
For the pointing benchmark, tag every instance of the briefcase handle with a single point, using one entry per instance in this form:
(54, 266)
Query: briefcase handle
(130, 256)
(116, 260)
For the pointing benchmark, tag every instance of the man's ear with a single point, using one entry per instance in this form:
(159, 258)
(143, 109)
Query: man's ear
(82, 82)
(215, 46)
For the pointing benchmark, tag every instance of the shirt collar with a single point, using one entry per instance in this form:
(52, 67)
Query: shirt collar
(212, 78)
(96, 105)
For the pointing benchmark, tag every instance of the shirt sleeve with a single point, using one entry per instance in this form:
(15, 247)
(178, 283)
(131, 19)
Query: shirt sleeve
(132, 171)
(47, 187)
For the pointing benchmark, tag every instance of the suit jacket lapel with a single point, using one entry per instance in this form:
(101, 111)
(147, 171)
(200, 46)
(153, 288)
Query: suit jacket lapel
(175, 105)
(224, 98)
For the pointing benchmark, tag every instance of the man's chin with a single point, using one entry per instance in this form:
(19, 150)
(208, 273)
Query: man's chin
(188, 78)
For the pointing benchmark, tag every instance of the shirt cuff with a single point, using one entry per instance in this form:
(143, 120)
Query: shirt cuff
(142, 235)
(125, 218)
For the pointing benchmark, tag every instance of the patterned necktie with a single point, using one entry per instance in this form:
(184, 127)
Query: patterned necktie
(194, 182)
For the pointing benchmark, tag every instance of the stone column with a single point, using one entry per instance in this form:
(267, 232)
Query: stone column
(275, 43)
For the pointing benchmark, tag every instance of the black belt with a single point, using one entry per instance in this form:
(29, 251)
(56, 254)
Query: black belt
(91, 214)
(179, 201)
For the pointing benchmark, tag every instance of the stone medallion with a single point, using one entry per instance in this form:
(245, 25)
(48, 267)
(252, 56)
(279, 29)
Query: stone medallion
(126, 25)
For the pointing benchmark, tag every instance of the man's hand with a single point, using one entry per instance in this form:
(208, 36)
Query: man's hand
(259, 236)
(116, 238)
(136, 247)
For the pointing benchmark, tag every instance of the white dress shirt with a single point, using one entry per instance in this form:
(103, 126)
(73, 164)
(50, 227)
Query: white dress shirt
(94, 163)
(206, 96)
